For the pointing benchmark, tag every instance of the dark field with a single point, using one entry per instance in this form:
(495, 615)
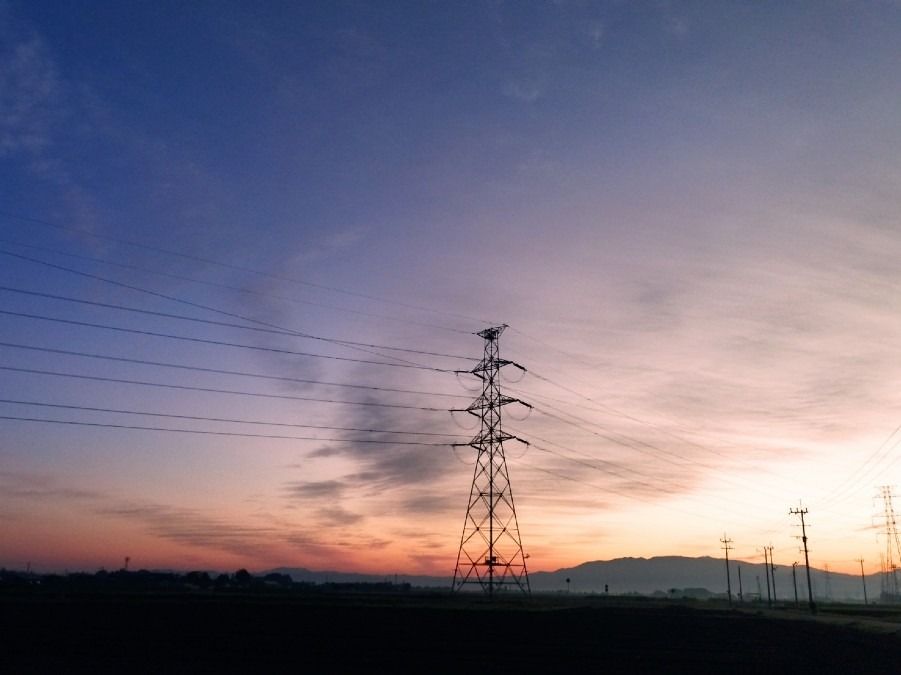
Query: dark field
(127, 634)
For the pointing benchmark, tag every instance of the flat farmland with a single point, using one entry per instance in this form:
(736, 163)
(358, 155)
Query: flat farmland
(197, 633)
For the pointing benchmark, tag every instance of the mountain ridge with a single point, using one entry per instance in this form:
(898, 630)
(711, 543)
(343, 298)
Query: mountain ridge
(645, 576)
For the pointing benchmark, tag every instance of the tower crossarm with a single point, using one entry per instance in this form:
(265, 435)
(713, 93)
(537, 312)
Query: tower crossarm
(479, 404)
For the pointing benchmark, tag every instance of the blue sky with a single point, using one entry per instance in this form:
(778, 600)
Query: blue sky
(686, 212)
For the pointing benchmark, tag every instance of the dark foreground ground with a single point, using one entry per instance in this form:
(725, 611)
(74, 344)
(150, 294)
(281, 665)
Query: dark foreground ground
(253, 634)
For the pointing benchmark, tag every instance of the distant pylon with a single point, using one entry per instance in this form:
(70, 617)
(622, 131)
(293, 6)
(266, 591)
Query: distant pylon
(491, 552)
(892, 546)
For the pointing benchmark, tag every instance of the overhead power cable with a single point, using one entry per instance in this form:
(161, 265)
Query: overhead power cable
(237, 289)
(218, 433)
(218, 343)
(239, 268)
(848, 488)
(181, 317)
(633, 443)
(193, 304)
(626, 416)
(184, 387)
(862, 474)
(220, 371)
(592, 463)
(551, 347)
(196, 418)
(605, 409)
(608, 490)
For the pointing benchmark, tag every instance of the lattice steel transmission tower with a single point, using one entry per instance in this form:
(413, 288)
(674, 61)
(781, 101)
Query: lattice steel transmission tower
(892, 546)
(491, 552)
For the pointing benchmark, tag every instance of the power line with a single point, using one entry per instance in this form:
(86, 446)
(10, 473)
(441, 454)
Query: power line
(591, 465)
(185, 302)
(231, 392)
(217, 433)
(239, 268)
(633, 443)
(631, 418)
(680, 490)
(219, 371)
(219, 343)
(197, 418)
(248, 291)
(181, 317)
(847, 487)
(605, 489)
(606, 409)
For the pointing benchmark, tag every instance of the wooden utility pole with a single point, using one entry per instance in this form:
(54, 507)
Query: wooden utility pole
(727, 545)
(766, 569)
(802, 513)
(864, 580)
(795, 583)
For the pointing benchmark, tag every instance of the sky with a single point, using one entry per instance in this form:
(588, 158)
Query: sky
(246, 250)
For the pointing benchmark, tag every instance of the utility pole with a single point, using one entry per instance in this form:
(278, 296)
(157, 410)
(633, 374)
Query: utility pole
(773, 574)
(802, 512)
(766, 569)
(491, 552)
(863, 578)
(741, 597)
(795, 583)
(727, 544)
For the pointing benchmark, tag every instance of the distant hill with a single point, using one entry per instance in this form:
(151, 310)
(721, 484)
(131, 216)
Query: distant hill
(650, 575)
(647, 576)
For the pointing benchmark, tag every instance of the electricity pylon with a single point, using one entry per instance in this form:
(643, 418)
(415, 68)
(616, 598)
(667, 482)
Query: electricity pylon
(892, 545)
(491, 552)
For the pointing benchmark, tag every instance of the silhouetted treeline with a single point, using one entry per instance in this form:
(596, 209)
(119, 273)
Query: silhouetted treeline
(146, 580)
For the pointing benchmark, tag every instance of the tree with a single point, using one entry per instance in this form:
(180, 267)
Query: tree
(243, 578)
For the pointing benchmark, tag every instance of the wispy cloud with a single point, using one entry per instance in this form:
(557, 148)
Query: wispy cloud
(190, 527)
(594, 31)
(31, 95)
(324, 489)
(41, 486)
(523, 90)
